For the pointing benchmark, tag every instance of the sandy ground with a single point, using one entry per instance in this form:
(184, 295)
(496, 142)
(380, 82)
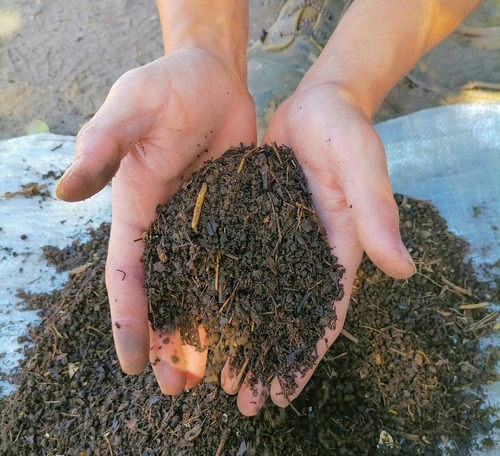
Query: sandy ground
(59, 58)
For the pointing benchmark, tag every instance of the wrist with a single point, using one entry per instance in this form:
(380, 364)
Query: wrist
(219, 27)
(379, 41)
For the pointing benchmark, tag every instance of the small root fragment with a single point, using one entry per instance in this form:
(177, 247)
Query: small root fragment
(236, 384)
(223, 438)
(245, 156)
(478, 305)
(197, 208)
(226, 302)
(217, 271)
(349, 336)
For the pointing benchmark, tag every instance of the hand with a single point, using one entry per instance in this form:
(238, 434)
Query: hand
(344, 164)
(327, 122)
(158, 124)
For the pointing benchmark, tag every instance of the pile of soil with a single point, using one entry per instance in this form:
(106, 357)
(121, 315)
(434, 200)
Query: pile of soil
(410, 377)
(239, 250)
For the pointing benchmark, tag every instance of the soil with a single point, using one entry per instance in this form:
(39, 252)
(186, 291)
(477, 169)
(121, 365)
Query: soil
(411, 376)
(239, 250)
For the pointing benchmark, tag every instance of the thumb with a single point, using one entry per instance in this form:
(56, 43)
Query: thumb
(96, 161)
(375, 213)
(107, 138)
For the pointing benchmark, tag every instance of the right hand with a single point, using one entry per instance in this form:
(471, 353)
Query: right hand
(344, 165)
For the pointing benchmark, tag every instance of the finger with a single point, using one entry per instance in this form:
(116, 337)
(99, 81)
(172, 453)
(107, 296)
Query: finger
(108, 137)
(283, 398)
(373, 208)
(133, 211)
(96, 161)
(345, 246)
(128, 309)
(124, 282)
(377, 223)
(168, 361)
(228, 377)
(251, 398)
(196, 360)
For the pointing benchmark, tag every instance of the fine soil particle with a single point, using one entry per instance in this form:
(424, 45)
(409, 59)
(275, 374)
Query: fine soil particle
(239, 250)
(413, 379)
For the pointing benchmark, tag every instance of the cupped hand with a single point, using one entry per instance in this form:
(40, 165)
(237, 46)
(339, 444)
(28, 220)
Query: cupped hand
(158, 123)
(344, 163)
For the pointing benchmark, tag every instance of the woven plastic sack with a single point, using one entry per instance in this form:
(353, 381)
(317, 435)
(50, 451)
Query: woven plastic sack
(447, 155)
(451, 156)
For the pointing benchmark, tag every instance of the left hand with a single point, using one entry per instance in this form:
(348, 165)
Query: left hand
(344, 164)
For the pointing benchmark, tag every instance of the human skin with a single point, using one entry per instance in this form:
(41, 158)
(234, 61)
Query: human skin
(158, 124)
(153, 130)
(327, 122)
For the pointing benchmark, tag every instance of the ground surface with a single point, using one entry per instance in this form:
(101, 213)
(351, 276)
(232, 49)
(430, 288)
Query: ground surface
(398, 384)
(59, 58)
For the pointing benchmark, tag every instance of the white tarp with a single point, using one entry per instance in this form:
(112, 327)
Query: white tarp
(27, 223)
(448, 155)
(451, 156)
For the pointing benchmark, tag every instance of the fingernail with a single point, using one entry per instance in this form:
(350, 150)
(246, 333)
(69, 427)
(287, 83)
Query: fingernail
(62, 181)
(406, 255)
